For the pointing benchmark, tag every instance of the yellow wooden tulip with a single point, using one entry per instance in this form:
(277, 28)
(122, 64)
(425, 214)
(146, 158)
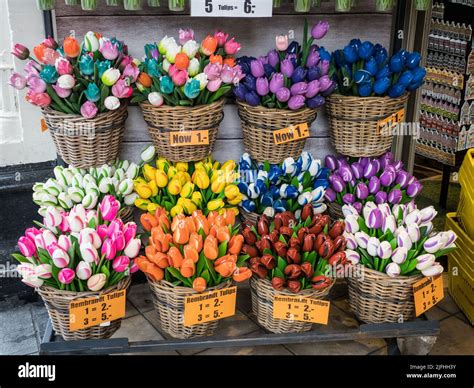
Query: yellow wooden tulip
(215, 204)
(153, 187)
(174, 186)
(231, 191)
(161, 178)
(141, 203)
(178, 209)
(149, 172)
(201, 179)
(182, 166)
(143, 190)
(187, 190)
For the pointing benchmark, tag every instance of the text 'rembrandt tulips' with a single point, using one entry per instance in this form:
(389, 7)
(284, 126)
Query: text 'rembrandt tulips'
(188, 73)
(397, 240)
(79, 250)
(296, 254)
(87, 79)
(274, 188)
(181, 187)
(71, 186)
(193, 251)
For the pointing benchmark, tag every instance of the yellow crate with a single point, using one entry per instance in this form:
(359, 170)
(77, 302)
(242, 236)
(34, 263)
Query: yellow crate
(466, 172)
(464, 243)
(466, 200)
(461, 285)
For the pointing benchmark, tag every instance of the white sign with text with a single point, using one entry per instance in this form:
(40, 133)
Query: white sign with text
(232, 8)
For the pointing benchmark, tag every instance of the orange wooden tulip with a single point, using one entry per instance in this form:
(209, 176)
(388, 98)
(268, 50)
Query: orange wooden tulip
(225, 259)
(176, 220)
(225, 269)
(162, 217)
(199, 284)
(39, 52)
(165, 243)
(148, 221)
(176, 257)
(220, 220)
(142, 263)
(181, 61)
(181, 233)
(229, 61)
(223, 233)
(195, 240)
(235, 244)
(241, 274)
(202, 223)
(191, 253)
(71, 47)
(211, 217)
(150, 251)
(161, 260)
(191, 225)
(188, 268)
(229, 217)
(144, 79)
(216, 59)
(155, 272)
(210, 248)
(209, 45)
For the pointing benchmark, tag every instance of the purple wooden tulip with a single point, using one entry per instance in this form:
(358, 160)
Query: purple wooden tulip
(299, 88)
(330, 195)
(342, 161)
(387, 178)
(262, 86)
(324, 67)
(374, 185)
(414, 189)
(364, 161)
(256, 68)
(329, 90)
(313, 57)
(370, 170)
(357, 170)
(336, 183)
(403, 178)
(381, 197)
(325, 83)
(376, 162)
(346, 173)
(398, 165)
(362, 191)
(374, 219)
(296, 102)
(313, 89)
(348, 198)
(357, 206)
(395, 196)
(283, 94)
(313, 73)
(319, 30)
(287, 68)
(330, 162)
(277, 82)
(273, 58)
(386, 159)
(315, 102)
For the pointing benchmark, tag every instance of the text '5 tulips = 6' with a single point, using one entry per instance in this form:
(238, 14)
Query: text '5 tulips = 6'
(195, 251)
(182, 187)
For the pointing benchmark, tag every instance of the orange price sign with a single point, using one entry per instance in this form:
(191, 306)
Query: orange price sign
(210, 306)
(293, 133)
(44, 127)
(187, 138)
(96, 310)
(386, 125)
(297, 308)
(427, 292)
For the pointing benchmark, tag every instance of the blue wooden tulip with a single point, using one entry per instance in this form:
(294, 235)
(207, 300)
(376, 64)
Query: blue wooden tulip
(324, 54)
(396, 63)
(298, 75)
(381, 85)
(252, 98)
(365, 50)
(396, 90)
(267, 199)
(413, 60)
(383, 72)
(350, 54)
(371, 66)
(362, 76)
(248, 205)
(280, 205)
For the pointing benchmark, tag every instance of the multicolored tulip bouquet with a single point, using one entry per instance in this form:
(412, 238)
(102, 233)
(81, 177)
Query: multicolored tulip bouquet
(196, 251)
(187, 73)
(89, 78)
(182, 187)
(80, 250)
(397, 241)
(364, 69)
(295, 255)
(274, 188)
(71, 186)
(289, 77)
(358, 181)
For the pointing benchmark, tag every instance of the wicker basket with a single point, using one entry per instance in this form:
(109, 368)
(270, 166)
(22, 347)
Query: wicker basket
(87, 143)
(57, 304)
(258, 125)
(126, 214)
(169, 304)
(162, 120)
(353, 123)
(335, 211)
(375, 297)
(263, 294)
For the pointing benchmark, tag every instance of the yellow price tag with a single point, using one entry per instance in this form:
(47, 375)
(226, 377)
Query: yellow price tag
(187, 138)
(293, 133)
(427, 292)
(210, 306)
(297, 308)
(386, 125)
(44, 127)
(96, 310)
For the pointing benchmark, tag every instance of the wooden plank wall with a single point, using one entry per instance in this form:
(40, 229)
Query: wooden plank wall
(256, 35)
